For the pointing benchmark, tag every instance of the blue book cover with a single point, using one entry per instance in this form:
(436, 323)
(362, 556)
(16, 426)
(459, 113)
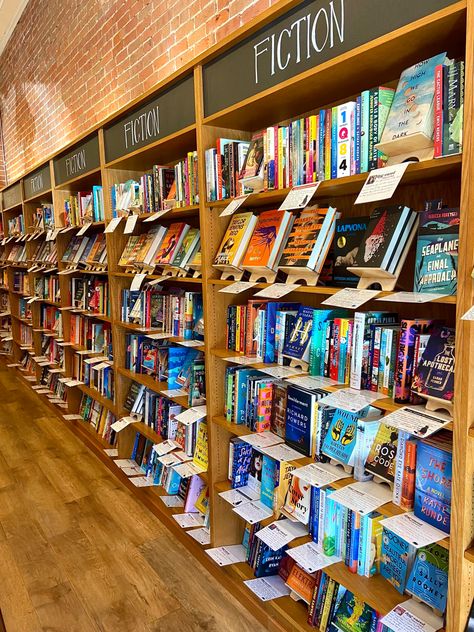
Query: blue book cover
(396, 559)
(242, 456)
(314, 513)
(241, 387)
(268, 561)
(429, 576)
(271, 311)
(437, 245)
(433, 480)
(300, 419)
(176, 359)
(340, 440)
(173, 482)
(270, 471)
(297, 344)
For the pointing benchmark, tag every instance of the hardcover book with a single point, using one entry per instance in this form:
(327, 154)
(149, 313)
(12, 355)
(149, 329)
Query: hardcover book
(235, 241)
(298, 500)
(382, 244)
(437, 250)
(382, 455)
(395, 563)
(347, 241)
(300, 419)
(354, 615)
(404, 368)
(267, 560)
(297, 344)
(301, 582)
(429, 576)
(171, 243)
(309, 240)
(410, 124)
(267, 240)
(434, 375)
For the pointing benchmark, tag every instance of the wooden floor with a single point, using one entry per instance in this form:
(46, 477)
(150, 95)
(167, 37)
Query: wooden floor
(78, 552)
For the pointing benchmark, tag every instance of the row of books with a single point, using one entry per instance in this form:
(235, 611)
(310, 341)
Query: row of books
(44, 218)
(99, 417)
(164, 188)
(51, 319)
(90, 334)
(51, 381)
(84, 207)
(180, 367)
(17, 254)
(26, 335)
(24, 309)
(374, 351)
(177, 246)
(45, 253)
(177, 313)
(47, 287)
(156, 411)
(348, 139)
(21, 282)
(91, 294)
(96, 372)
(16, 225)
(52, 350)
(280, 241)
(86, 251)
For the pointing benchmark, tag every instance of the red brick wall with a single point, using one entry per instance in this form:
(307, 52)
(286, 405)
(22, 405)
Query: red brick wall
(70, 64)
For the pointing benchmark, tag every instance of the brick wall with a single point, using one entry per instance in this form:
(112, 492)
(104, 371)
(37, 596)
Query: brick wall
(71, 63)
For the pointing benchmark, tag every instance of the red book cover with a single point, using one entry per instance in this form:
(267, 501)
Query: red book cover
(253, 306)
(170, 243)
(408, 480)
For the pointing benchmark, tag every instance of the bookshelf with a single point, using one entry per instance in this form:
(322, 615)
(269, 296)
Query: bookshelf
(192, 117)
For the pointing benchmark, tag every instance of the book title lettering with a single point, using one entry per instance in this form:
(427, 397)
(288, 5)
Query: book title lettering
(306, 36)
(77, 162)
(142, 128)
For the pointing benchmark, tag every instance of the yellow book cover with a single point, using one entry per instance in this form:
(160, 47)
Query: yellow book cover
(236, 231)
(127, 251)
(202, 502)
(200, 457)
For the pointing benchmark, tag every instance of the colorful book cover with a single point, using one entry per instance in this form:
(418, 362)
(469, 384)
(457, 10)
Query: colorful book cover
(272, 308)
(428, 578)
(341, 438)
(437, 246)
(171, 243)
(297, 344)
(413, 125)
(283, 480)
(300, 419)
(354, 615)
(396, 559)
(254, 480)
(385, 229)
(267, 560)
(277, 424)
(434, 375)
(433, 480)
(298, 500)
(240, 458)
(306, 236)
(301, 582)
(265, 239)
(235, 240)
(270, 472)
(382, 455)
(200, 457)
(405, 354)
(347, 241)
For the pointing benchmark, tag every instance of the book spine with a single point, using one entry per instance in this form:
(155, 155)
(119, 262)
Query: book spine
(327, 144)
(373, 125)
(438, 114)
(408, 481)
(334, 124)
(375, 358)
(357, 136)
(361, 555)
(399, 465)
(357, 350)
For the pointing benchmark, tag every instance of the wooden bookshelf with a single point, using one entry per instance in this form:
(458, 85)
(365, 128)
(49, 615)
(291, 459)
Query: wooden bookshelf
(332, 81)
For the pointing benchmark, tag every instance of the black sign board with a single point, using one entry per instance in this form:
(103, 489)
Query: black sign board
(82, 158)
(37, 182)
(166, 113)
(12, 196)
(312, 33)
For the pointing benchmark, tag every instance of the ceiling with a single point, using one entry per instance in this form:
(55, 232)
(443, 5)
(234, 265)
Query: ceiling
(10, 13)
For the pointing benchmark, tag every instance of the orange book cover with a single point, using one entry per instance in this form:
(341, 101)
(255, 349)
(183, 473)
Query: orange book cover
(301, 582)
(262, 240)
(170, 242)
(302, 239)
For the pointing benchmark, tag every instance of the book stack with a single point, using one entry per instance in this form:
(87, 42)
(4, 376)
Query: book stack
(99, 417)
(177, 313)
(91, 294)
(84, 207)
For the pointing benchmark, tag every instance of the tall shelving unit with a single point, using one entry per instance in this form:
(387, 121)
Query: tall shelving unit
(377, 62)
